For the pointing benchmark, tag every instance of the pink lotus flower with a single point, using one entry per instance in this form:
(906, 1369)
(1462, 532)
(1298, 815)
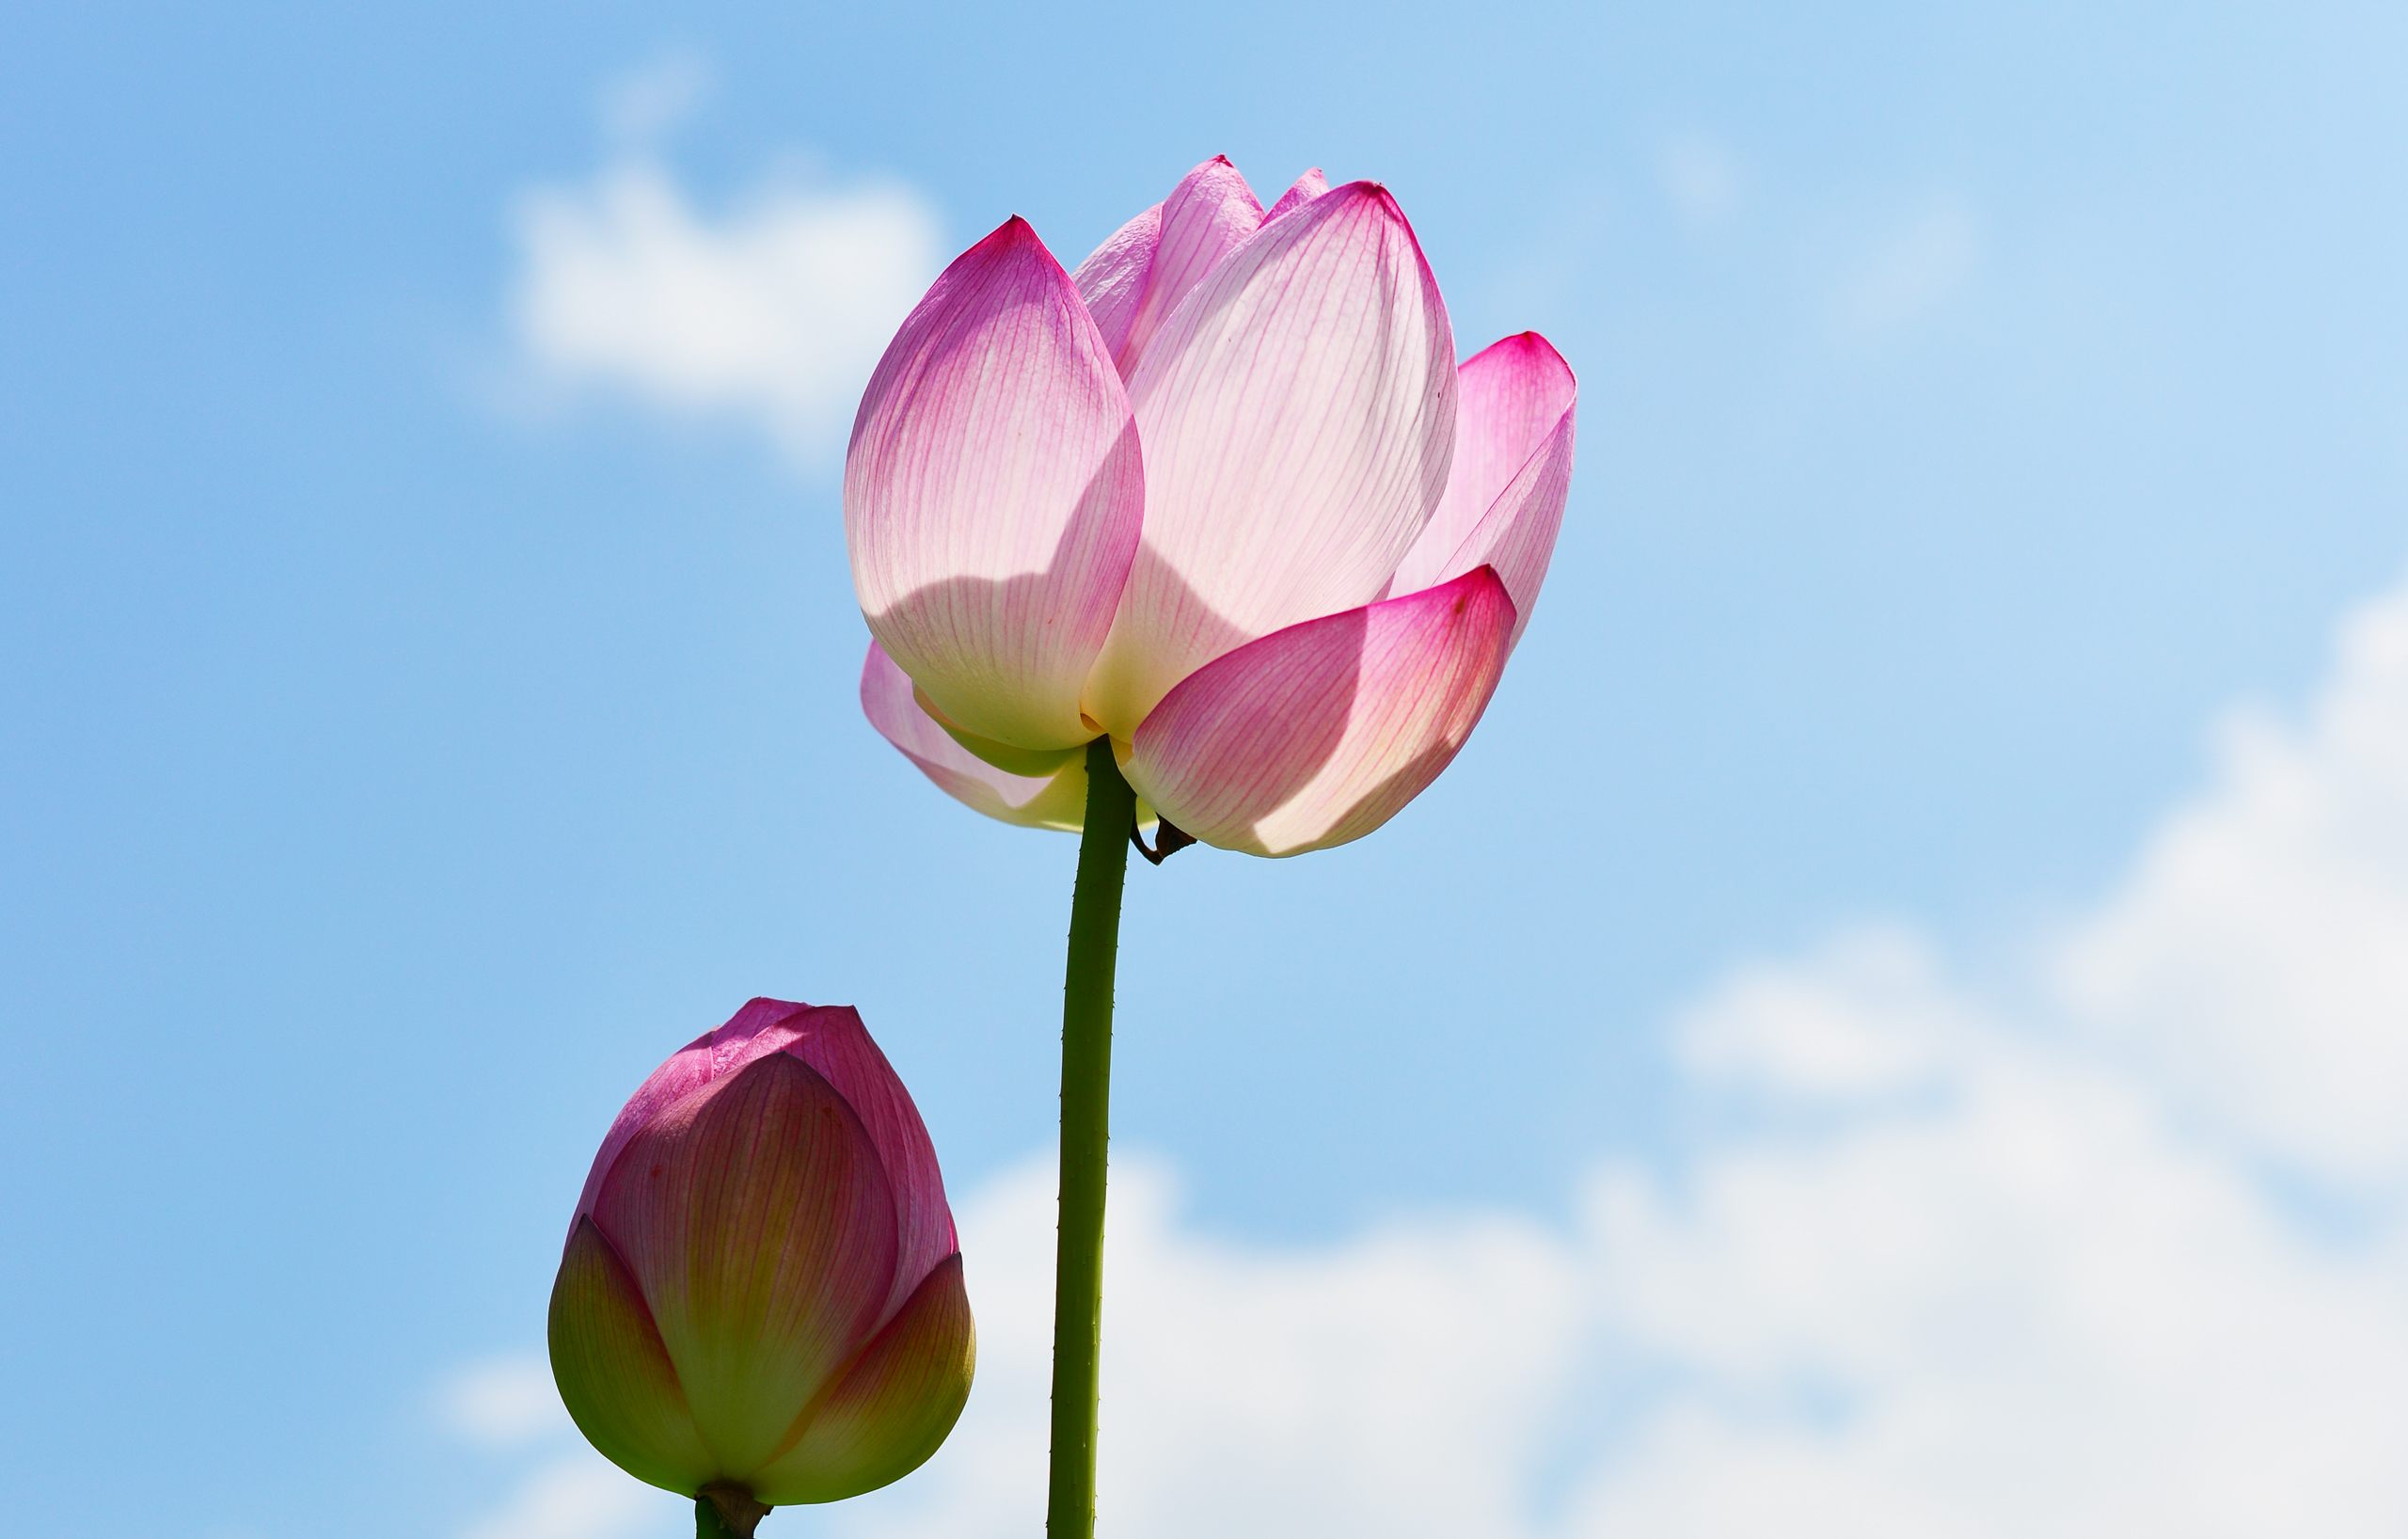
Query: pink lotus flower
(761, 1299)
(1224, 495)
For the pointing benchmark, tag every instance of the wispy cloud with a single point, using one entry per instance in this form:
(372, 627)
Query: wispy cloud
(771, 311)
(562, 1489)
(1908, 272)
(644, 104)
(504, 1402)
(581, 1495)
(1704, 181)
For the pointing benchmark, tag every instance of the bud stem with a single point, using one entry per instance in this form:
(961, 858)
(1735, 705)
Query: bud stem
(1086, 1094)
(726, 1512)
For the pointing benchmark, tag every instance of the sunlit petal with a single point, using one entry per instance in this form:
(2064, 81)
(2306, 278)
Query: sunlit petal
(1320, 733)
(1205, 218)
(1307, 187)
(891, 1408)
(1298, 415)
(755, 1217)
(1504, 500)
(615, 1376)
(993, 494)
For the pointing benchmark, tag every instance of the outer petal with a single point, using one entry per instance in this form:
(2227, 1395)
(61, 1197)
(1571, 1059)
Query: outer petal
(1517, 537)
(1206, 216)
(757, 1218)
(613, 1373)
(892, 1408)
(1504, 500)
(1057, 801)
(1309, 186)
(836, 1044)
(993, 494)
(1299, 412)
(831, 1040)
(763, 1026)
(1318, 734)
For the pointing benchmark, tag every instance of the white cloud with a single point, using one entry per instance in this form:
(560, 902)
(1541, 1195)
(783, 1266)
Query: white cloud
(2259, 955)
(1956, 1267)
(581, 1495)
(1398, 1383)
(504, 1402)
(1994, 1289)
(772, 313)
(566, 1490)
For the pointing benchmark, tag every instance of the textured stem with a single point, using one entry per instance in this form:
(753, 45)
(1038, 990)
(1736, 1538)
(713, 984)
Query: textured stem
(726, 1512)
(1086, 1094)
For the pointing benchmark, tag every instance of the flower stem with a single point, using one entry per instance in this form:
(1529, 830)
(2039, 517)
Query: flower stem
(726, 1512)
(1086, 1094)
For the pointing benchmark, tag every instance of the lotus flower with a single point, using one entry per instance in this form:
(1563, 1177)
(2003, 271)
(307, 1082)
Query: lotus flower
(761, 1300)
(1221, 494)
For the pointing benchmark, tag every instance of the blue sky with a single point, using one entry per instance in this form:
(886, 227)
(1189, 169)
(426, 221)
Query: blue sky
(417, 734)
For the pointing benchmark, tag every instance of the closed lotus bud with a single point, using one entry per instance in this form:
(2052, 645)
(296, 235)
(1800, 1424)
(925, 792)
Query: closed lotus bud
(761, 1299)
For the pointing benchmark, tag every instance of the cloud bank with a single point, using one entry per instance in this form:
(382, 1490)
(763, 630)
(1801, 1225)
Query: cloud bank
(1956, 1265)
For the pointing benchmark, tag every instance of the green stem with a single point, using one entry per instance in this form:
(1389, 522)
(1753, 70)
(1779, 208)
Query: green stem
(736, 1520)
(1086, 1095)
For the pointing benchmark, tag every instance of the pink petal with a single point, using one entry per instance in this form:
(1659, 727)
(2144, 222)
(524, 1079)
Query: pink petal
(1113, 279)
(1517, 539)
(756, 1217)
(838, 1047)
(1205, 218)
(831, 1039)
(1318, 734)
(1057, 801)
(1504, 502)
(1299, 412)
(892, 1408)
(615, 1376)
(1309, 186)
(760, 1027)
(993, 494)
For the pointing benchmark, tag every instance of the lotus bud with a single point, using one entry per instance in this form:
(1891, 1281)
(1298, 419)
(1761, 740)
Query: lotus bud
(761, 1300)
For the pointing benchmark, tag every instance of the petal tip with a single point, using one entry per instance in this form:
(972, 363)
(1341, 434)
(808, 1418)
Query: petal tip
(1527, 346)
(1015, 236)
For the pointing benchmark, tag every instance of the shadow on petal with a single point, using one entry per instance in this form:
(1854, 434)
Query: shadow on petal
(1241, 735)
(984, 648)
